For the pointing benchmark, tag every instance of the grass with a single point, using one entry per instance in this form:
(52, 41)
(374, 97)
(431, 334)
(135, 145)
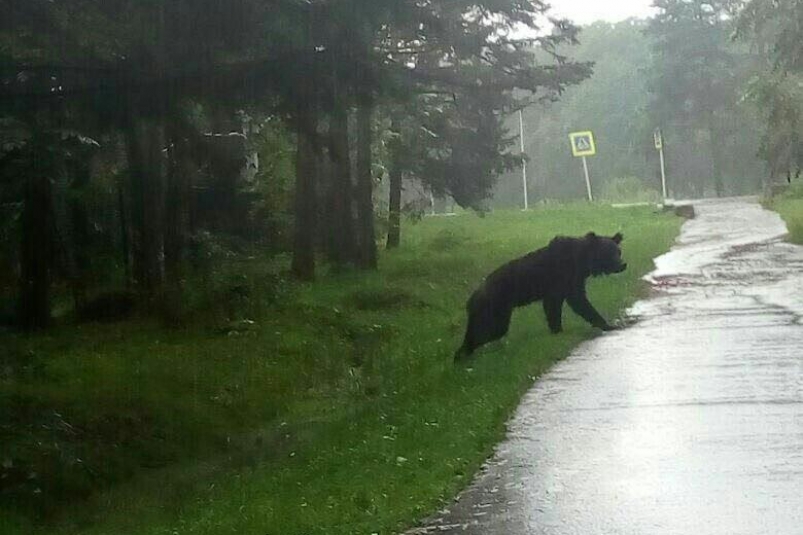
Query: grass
(334, 410)
(790, 207)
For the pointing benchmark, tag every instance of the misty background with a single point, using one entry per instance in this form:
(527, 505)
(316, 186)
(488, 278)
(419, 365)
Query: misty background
(629, 96)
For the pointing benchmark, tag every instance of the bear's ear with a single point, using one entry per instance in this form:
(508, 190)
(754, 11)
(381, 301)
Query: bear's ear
(591, 235)
(618, 238)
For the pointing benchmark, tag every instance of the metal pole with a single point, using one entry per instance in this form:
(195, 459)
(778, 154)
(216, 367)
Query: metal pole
(663, 171)
(523, 162)
(588, 179)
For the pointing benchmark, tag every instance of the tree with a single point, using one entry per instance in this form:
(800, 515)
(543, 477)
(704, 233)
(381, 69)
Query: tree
(775, 24)
(134, 67)
(172, 80)
(35, 164)
(696, 75)
(307, 173)
(37, 239)
(451, 135)
(774, 28)
(367, 255)
(374, 54)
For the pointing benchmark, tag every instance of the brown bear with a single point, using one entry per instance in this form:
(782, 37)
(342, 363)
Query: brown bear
(554, 274)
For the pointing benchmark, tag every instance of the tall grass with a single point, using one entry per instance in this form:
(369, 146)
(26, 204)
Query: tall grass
(335, 409)
(790, 207)
(629, 189)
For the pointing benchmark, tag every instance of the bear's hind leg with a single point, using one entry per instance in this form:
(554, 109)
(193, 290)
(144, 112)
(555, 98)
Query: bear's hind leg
(484, 326)
(494, 326)
(553, 308)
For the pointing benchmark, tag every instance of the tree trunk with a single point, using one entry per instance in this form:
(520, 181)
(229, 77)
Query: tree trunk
(716, 158)
(126, 254)
(394, 212)
(343, 247)
(176, 221)
(367, 257)
(146, 172)
(303, 266)
(79, 229)
(37, 252)
(324, 200)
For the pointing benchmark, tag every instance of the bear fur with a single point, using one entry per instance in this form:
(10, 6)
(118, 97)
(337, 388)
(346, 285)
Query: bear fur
(552, 274)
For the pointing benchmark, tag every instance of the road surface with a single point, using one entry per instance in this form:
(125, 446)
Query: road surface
(688, 423)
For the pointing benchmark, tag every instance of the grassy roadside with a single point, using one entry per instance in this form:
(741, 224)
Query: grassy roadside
(336, 411)
(790, 207)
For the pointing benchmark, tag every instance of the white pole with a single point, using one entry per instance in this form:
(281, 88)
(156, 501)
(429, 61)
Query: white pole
(523, 162)
(588, 179)
(432, 203)
(663, 171)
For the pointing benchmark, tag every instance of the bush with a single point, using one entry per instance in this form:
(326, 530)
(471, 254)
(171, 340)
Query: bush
(789, 205)
(629, 189)
(795, 191)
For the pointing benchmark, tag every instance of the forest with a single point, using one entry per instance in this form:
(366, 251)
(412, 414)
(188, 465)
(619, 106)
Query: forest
(651, 74)
(139, 141)
(188, 179)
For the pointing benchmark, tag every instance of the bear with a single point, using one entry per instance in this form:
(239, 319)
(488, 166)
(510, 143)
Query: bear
(552, 274)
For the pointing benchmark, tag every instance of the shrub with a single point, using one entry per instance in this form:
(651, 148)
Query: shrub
(629, 189)
(795, 191)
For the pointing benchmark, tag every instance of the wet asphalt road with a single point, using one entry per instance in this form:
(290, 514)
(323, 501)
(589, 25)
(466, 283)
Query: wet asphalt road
(689, 422)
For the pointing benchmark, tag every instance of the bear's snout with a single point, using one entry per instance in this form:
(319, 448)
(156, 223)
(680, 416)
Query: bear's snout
(621, 268)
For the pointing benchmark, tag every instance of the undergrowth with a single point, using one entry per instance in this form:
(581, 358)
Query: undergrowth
(790, 207)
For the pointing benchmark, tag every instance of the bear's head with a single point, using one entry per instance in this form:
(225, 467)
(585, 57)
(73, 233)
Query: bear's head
(604, 254)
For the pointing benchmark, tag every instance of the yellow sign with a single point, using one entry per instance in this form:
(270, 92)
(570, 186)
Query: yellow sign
(583, 144)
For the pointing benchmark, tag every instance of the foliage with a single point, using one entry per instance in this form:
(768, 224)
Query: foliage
(610, 103)
(616, 103)
(774, 28)
(775, 23)
(779, 99)
(186, 91)
(790, 206)
(451, 136)
(696, 80)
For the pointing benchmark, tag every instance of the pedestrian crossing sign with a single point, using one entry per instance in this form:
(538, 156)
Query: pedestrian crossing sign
(583, 144)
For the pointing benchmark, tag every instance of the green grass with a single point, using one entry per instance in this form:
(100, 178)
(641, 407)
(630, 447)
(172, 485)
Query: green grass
(337, 411)
(790, 207)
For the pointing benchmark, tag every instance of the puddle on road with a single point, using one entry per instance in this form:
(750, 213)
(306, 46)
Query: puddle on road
(689, 422)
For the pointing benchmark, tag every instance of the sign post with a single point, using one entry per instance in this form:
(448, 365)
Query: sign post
(523, 161)
(659, 145)
(583, 146)
(588, 179)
